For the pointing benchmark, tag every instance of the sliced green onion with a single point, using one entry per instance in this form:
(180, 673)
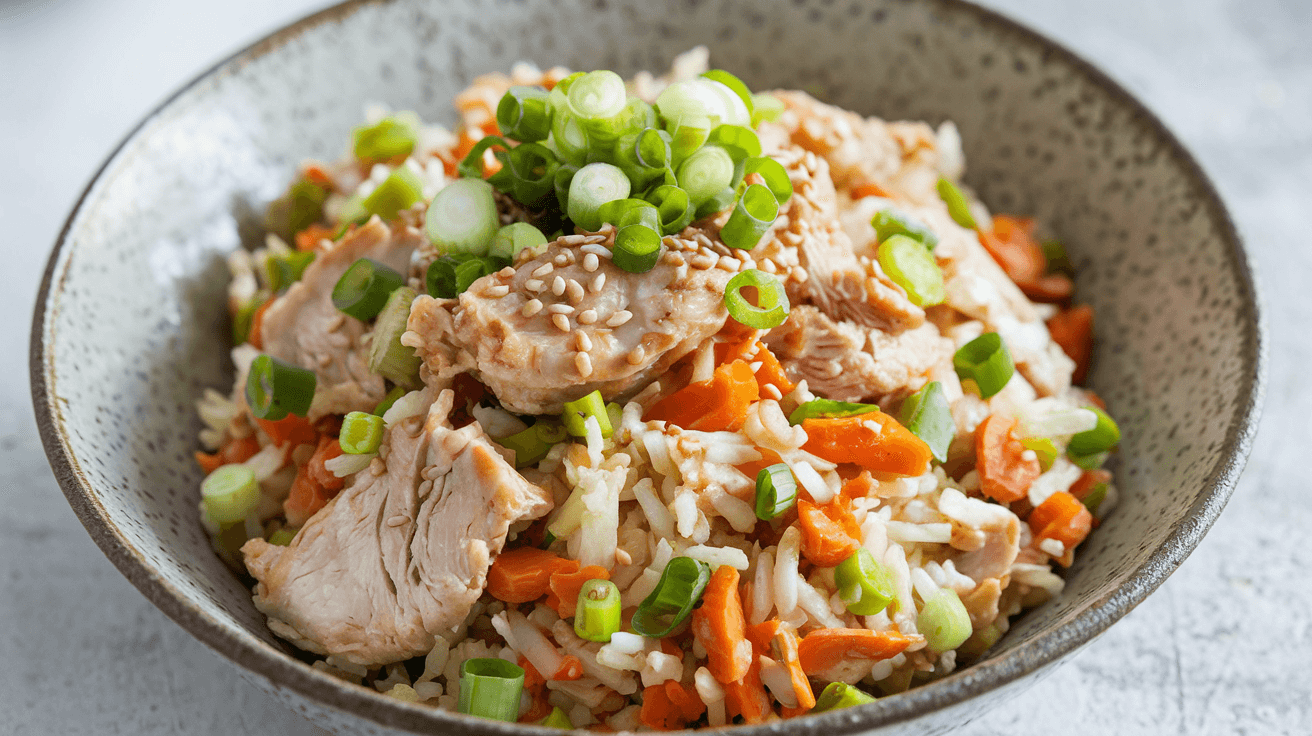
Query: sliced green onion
(984, 362)
(913, 267)
(387, 356)
(598, 94)
(568, 138)
(285, 269)
(361, 433)
(450, 276)
(674, 206)
(561, 182)
(593, 186)
(863, 583)
(513, 238)
(927, 414)
(533, 444)
(462, 218)
(352, 212)
(637, 248)
(276, 388)
(624, 212)
(752, 216)
(771, 308)
(389, 138)
(688, 111)
(668, 606)
(397, 192)
(557, 719)
(1094, 499)
(524, 115)
(828, 408)
(774, 174)
(776, 491)
(528, 174)
(391, 397)
(741, 142)
(299, 208)
(490, 688)
(245, 318)
(362, 291)
(1103, 437)
(1058, 261)
(733, 83)
(576, 413)
(644, 156)
(943, 621)
(841, 695)
(597, 615)
(229, 493)
(1045, 448)
(720, 202)
(766, 107)
(705, 173)
(282, 537)
(471, 166)
(958, 207)
(893, 221)
(1092, 461)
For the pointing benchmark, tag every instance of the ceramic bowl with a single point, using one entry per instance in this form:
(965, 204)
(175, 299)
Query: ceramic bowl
(130, 323)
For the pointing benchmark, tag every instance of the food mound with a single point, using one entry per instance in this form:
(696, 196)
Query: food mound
(649, 405)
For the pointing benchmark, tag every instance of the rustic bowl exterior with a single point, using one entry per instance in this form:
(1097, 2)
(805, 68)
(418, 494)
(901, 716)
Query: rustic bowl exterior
(130, 324)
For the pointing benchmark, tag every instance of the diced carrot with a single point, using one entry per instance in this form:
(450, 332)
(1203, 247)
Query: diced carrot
(524, 574)
(771, 371)
(868, 189)
(657, 711)
(685, 700)
(747, 697)
(780, 641)
(1088, 480)
(754, 468)
(317, 174)
(329, 447)
(786, 712)
(307, 495)
(1064, 518)
(539, 708)
(235, 450)
(309, 238)
(822, 649)
(1072, 329)
(256, 336)
(1004, 472)
(830, 533)
(719, 404)
(1051, 288)
(734, 349)
(290, 431)
(532, 678)
(1011, 243)
(876, 442)
(564, 587)
(570, 668)
(720, 627)
(859, 487)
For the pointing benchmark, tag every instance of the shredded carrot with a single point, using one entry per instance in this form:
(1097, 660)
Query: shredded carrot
(876, 442)
(1011, 243)
(1064, 518)
(719, 404)
(830, 533)
(308, 238)
(564, 587)
(868, 189)
(822, 649)
(329, 447)
(1072, 329)
(314, 485)
(235, 450)
(290, 431)
(1004, 472)
(1051, 288)
(771, 371)
(720, 627)
(256, 336)
(780, 640)
(747, 697)
(524, 574)
(570, 668)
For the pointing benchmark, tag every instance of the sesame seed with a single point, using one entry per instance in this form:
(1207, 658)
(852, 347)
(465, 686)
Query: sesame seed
(675, 259)
(597, 283)
(396, 521)
(799, 274)
(768, 266)
(702, 261)
(569, 257)
(571, 240)
(728, 263)
(560, 309)
(561, 322)
(496, 292)
(681, 272)
(770, 391)
(575, 290)
(532, 307)
(584, 363)
(591, 262)
(543, 270)
(594, 239)
(596, 250)
(558, 286)
(619, 318)
(636, 356)
(587, 316)
(534, 285)
(582, 340)
(506, 272)
(561, 260)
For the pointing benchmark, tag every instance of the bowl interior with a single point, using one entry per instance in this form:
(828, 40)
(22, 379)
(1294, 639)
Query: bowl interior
(131, 326)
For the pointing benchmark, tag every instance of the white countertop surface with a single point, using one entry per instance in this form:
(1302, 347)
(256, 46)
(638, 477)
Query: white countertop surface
(1222, 647)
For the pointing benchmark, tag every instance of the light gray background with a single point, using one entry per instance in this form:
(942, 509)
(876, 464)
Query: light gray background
(1222, 648)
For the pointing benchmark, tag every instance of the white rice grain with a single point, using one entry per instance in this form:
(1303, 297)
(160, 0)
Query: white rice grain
(740, 514)
(816, 604)
(717, 556)
(812, 482)
(659, 518)
(1060, 477)
(785, 570)
(661, 667)
(906, 533)
(778, 680)
(762, 588)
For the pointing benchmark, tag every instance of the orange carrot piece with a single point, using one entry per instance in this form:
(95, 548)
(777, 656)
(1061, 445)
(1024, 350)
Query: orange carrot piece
(721, 628)
(753, 468)
(719, 404)
(786, 712)
(685, 701)
(771, 371)
(233, 451)
(868, 189)
(781, 641)
(733, 349)
(539, 709)
(564, 587)
(1052, 288)
(524, 574)
(256, 336)
(823, 648)
(1072, 329)
(747, 697)
(329, 447)
(1064, 518)
(1088, 480)
(532, 678)
(570, 668)
(308, 238)
(657, 710)
(830, 533)
(317, 174)
(1004, 472)
(859, 487)
(291, 431)
(876, 442)
(1011, 243)
(305, 498)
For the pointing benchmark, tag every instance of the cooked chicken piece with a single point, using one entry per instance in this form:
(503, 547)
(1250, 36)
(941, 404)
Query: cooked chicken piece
(303, 327)
(1000, 545)
(842, 361)
(982, 602)
(402, 553)
(560, 325)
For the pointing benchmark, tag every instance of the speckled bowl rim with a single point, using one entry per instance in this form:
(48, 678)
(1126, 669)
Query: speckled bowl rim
(268, 662)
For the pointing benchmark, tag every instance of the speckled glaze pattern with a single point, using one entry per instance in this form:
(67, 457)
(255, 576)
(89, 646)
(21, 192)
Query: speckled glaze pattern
(130, 324)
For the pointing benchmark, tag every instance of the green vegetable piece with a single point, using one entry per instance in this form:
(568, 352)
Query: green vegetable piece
(276, 388)
(776, 491)
(229, 493)
(893, 221)
(984, 363)
(766, 107)
(840, 695)
(557, 719)
(282, 537)
(943, 621)
(491, 688)
(391, 397)
(752, 216)
(463, 218)
(637, 248)
(669, 605)
(576, 413)
(533, 444)
(389, 138)
(524, 114)
(361, 433)
(513, 238)
(597, 614)
(828, 408)
(284, 269)
(397, 192)
(1045, 448)
(958, 207)
(913, 267)
(863, 583)
(1102, 438)
(1093, 501)
(771, 308)
(245, 318)
(387, 356)
(927, 414)
(362, 291)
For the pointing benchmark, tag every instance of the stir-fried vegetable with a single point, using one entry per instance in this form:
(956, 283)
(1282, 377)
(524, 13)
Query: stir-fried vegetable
(1005, 472)
(863, 583)
(771, 308)
(879, 443)
(943, 621)
(670, 604)
(276, 388)
(927, 414)
(361, 433)
(362, 291)
(984, 364)
(229, 493)
(776, 491)
(490, 688)
(597, 611)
